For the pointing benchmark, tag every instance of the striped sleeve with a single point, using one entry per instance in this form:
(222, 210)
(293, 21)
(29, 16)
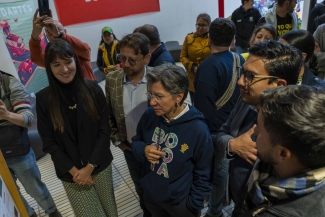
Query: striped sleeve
(19, 100)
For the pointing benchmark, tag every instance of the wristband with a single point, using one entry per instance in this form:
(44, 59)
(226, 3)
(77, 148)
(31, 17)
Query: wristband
(92, 165)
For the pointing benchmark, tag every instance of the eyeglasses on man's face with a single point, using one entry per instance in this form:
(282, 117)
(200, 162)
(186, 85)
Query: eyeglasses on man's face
(250, 76)
(201, 25)
(154, 97)
(131, 61)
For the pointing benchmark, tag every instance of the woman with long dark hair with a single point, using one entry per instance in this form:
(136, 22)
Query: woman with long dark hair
(74, 126)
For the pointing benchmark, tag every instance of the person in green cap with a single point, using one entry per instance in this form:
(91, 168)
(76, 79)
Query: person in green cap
(107, 60)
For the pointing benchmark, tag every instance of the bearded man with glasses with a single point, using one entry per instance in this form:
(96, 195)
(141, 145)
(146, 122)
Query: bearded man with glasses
(125, 94)
(270, 64)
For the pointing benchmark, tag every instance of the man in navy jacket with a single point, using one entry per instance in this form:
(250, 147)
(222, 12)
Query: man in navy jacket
(159, 54)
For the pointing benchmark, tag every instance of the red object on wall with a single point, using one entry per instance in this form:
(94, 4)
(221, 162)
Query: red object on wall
(221, 8)
(81, 11)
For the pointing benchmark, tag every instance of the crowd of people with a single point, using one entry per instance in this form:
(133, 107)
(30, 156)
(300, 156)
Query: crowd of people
(244, 126)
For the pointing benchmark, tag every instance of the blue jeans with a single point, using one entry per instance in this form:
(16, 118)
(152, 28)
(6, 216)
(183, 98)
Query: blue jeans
(221, 166)
(135, 169)
(25, 169)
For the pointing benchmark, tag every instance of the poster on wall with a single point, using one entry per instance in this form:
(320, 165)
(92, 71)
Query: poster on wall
(78, 11)
(15, 29)
(7, 205)
(264, 5)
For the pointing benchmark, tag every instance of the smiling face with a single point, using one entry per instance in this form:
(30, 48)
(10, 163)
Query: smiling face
(251, 93)
(64, 69)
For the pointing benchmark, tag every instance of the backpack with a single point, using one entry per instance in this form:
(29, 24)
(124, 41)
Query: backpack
(14, 139)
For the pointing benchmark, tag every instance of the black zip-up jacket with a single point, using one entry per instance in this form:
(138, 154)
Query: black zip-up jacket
(245, 22)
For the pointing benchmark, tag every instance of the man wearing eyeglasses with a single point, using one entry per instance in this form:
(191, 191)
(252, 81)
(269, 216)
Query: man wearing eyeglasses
(127, 100)
(270, 64)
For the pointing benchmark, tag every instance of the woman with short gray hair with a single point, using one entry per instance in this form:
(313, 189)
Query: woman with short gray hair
(175, 146)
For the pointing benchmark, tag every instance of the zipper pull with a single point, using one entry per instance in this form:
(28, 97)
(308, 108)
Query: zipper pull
(81, 162)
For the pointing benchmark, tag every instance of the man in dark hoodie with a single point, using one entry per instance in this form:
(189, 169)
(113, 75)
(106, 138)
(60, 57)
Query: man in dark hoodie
(175, 146)
(158, 52)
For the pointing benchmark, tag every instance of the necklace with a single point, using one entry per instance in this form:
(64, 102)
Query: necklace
(73, 106)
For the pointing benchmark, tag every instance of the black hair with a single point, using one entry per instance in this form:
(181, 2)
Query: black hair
(61, 49)
(305, 42)
(102, 41)
(151, 32)
(281, 60)
(137, 41)
(242, 1)
(281, 2)
(222, 32)
(294, 117)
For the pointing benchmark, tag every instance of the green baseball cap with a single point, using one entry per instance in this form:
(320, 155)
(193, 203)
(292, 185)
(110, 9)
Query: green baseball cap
(107, 29)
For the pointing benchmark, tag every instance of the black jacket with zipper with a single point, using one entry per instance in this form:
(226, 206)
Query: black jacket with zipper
(245, 22)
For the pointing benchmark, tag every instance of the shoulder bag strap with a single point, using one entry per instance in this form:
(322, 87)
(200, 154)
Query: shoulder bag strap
(232, 85)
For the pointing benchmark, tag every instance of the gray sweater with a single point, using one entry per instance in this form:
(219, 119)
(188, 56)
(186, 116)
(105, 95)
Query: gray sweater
(17, 101)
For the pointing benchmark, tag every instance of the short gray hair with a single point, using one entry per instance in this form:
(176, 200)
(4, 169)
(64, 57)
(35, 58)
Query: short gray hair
(173, 78)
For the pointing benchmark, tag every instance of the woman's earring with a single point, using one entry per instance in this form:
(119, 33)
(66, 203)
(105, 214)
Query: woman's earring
(177, 104)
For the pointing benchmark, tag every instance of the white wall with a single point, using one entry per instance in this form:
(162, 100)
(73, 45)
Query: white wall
(230, 6)
(175, 19)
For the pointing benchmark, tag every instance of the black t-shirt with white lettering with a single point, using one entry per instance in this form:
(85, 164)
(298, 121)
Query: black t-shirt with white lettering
(284, 24)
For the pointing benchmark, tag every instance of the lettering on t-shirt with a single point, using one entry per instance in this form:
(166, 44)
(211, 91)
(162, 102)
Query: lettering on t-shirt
(284, 24)
(283, 28)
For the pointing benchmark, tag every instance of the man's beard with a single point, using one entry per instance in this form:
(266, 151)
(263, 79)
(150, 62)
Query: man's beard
(267, 158)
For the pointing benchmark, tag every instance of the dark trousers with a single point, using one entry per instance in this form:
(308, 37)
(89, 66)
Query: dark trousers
(166, 210)
(135, 169)
(239, 172)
